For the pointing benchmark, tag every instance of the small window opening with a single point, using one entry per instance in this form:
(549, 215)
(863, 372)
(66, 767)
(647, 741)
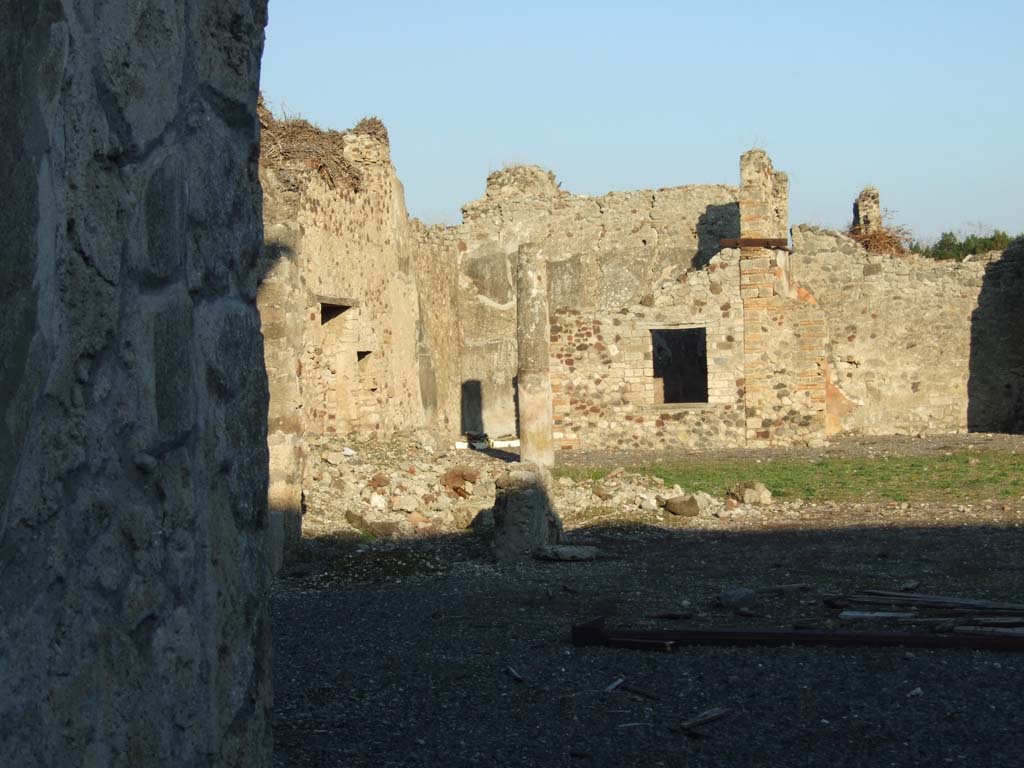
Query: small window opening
(330, 311)
(681, 363)
(366, 372)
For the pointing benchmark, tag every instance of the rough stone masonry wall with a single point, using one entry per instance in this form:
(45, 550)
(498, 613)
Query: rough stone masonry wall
(359, 370)
(388, 362)
(602, 252)
(438, 337)
(602, 373)
(995, 383)
(283, 306)
(133, 621)
(910, 348)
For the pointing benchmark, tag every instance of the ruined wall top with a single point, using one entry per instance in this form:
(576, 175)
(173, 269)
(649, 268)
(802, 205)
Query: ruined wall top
(339, 157)
(526, 183)
(867, 212)
(764, 197)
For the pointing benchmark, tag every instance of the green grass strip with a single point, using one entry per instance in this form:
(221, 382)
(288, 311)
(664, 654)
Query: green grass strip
(962, 476)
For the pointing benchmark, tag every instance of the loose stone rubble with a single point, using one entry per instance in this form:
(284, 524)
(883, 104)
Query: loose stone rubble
(406, 487)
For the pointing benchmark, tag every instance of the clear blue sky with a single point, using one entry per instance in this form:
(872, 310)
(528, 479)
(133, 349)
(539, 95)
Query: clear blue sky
(921, 99)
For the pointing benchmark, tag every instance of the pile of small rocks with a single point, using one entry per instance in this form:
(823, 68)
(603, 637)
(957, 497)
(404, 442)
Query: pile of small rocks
(398, 488)
(415, 485)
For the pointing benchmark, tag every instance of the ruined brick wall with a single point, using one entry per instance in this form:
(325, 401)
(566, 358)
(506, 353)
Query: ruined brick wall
(603, 251)
(900, 333)
(602, 367)
(133, 401)
(784, 371)
(784, 335)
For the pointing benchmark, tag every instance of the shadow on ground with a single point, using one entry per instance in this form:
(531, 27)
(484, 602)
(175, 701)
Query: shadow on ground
(402, 654)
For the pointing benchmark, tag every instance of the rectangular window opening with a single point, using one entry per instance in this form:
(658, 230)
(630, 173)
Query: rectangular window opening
(681, 363)
(330, 311)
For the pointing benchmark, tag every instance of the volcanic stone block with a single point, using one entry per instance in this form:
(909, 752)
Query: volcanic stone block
(524, 520)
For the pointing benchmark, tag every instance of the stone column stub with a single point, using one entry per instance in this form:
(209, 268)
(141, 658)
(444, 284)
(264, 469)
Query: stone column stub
(533, 333)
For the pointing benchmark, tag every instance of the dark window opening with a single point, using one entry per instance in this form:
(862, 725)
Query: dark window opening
(330, 311)
(366, 373)
(681, 363)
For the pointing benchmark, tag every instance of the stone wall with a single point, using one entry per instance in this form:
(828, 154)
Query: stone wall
(358, 305)
(603, 251)
(133, 451)
(602, 367)
(995, 379)
(352, 248)
(438, 338)
(900, 335)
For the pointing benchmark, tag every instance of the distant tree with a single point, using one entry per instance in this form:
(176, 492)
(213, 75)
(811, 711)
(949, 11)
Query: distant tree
(949, 246)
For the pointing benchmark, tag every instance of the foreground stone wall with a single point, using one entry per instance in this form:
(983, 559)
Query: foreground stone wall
(903, 332)
(133, 446)
(605, 251)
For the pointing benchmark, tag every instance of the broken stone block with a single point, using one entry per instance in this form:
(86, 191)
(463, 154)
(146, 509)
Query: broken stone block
(683, 506)
(648, 504)
(524, 520)
(372, 522)
(691, 504)
(459, 475)
(751, 493)
(406, 504)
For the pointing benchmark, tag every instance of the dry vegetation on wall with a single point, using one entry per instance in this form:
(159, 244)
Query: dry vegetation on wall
(373, 126)
(889, 239)
(297, 142)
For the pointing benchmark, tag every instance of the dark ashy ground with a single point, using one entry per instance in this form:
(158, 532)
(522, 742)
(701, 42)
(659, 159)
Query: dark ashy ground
(399, 653)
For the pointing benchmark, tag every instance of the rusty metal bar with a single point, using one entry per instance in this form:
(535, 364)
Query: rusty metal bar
(595, 633)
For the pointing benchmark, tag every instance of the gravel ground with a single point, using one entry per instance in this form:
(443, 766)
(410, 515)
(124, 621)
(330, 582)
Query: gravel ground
(398, 653)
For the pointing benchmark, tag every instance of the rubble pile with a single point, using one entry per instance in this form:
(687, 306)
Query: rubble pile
(415, 485)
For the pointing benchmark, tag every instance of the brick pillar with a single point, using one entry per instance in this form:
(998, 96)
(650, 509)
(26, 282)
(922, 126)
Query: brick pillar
(533, 333)
(763, 214)
(784, 340)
